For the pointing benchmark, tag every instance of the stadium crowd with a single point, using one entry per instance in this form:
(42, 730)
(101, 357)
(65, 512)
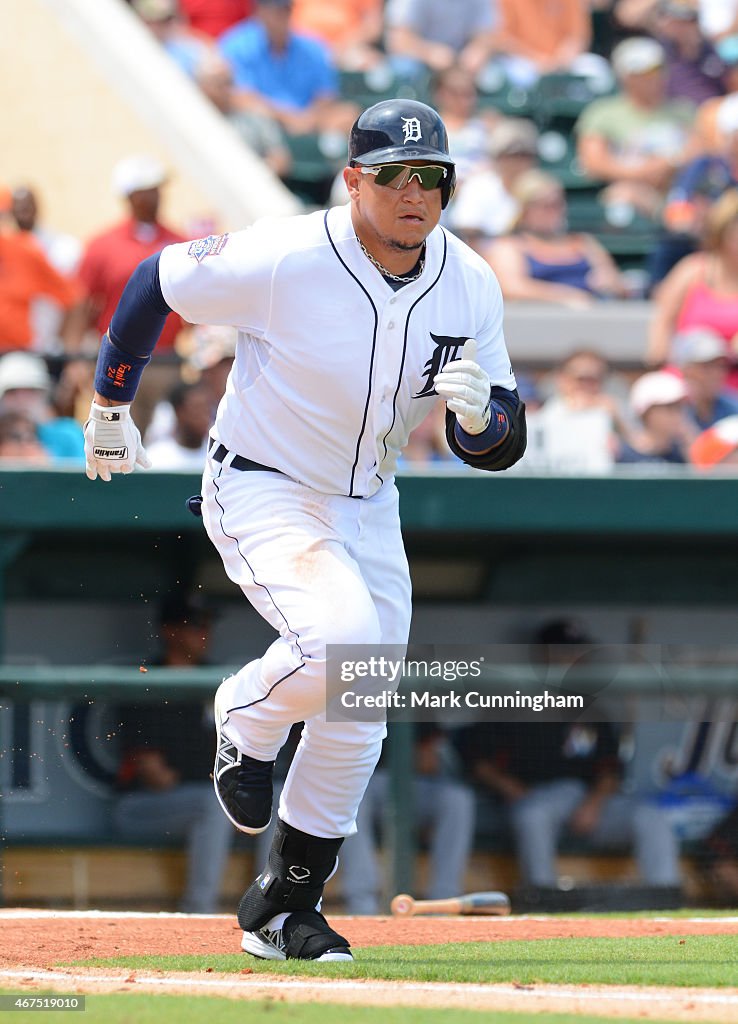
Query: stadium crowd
(597, 154)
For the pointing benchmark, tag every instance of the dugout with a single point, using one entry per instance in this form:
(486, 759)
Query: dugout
(640, 559)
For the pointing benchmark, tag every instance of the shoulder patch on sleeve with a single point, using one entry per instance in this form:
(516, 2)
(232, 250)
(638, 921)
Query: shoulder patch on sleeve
(213, 245)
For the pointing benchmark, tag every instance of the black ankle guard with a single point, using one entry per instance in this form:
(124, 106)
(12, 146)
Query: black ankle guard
(296, 872)
(308, 935)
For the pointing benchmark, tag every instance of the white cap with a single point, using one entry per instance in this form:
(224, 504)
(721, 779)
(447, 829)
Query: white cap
(698, 345)
(136, 173)
(658, 388)
(726, 119)
(636, 56)
(23, 370)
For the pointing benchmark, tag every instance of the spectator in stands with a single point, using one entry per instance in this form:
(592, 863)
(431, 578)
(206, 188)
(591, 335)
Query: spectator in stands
(485, 206)
(441, 803)
(27, 275)
(702, 357)
(283, 74)
(187, 448)
(455, 97)
(543, 261)
(351, 29)
(214, 17)
(436, 34)
(694, 70)
(25, 386)
(19, 440)
(717, 854)
(659, 401)
(697, 186)
(560, 778)
(111, 257)
(61, 250)
(636, 139)
(74, 389)
(717, 18)
(716, 446)
(165, 763)
(576, 429)
(186, 47)
(702, 289)
(537, 39)
(261, 133)
(709, 136)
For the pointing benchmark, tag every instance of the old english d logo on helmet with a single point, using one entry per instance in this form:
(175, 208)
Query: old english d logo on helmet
(397, 130)
(411, 127)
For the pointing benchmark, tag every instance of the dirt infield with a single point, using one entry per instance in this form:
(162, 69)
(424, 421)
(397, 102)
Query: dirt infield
(32, 942)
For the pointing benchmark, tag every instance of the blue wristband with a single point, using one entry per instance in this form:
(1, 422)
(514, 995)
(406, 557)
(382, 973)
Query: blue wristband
(495, 431)
(117, 373)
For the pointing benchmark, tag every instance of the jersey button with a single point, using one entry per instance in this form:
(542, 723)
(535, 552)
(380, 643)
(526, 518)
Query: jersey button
(391, 324)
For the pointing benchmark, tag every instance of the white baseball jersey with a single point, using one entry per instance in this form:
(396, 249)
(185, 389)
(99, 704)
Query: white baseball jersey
(333, 368)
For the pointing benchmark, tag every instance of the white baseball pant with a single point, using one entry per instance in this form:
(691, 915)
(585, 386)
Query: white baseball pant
(322, 569)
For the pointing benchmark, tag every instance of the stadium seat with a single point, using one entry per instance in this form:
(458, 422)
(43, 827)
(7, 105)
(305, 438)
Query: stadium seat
(497, 92)
(560, 98)
(557, 153)
(315, 160)
(626, 235)
(382, 83)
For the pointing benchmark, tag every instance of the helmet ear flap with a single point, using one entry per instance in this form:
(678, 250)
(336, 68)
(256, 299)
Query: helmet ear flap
(448, 187)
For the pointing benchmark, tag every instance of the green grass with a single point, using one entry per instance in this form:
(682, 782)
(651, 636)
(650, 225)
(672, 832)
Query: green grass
(162, 1009)
(620, 915)
(700, 960)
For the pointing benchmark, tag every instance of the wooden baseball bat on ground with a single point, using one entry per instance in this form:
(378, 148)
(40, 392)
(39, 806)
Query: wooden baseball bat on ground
(474, 903)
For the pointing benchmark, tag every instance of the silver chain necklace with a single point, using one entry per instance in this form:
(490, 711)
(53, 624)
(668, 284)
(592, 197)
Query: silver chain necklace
(388, 273)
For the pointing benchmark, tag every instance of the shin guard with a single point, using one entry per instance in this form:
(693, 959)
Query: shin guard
(297, 870)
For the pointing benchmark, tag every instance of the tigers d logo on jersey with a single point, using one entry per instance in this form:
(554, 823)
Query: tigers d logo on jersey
(447, 348)
(411, 130)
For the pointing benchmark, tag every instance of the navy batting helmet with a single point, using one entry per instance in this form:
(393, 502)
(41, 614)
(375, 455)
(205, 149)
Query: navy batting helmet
(393, 131)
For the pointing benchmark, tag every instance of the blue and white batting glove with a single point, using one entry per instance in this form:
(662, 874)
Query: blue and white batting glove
(112, 442)
(466, 388)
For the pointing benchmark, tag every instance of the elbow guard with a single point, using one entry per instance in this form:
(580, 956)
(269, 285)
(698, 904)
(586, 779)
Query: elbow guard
(509, 451)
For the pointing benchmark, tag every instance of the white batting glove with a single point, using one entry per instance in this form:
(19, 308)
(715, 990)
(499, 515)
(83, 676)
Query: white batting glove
(465, 387)
(112, 442)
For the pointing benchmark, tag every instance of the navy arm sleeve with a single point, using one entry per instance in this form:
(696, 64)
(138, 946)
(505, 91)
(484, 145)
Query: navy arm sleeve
(141, 313)
(134, 330)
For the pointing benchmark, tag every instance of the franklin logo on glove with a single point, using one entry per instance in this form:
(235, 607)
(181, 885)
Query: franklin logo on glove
(111, 453)
(112, 442)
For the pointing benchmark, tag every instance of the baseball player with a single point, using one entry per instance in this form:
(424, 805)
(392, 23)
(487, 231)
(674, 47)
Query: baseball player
(351, 322)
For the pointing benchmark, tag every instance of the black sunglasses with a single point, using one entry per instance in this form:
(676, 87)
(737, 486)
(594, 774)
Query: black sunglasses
(397, 176)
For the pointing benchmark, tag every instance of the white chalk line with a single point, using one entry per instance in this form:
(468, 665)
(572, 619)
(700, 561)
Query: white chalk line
(30, 914)
(371, 987)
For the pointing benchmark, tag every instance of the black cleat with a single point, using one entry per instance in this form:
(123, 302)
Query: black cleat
(305, 935)
(243, 785)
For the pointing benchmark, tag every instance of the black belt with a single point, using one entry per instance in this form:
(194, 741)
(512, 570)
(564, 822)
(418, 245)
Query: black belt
(238, 461)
